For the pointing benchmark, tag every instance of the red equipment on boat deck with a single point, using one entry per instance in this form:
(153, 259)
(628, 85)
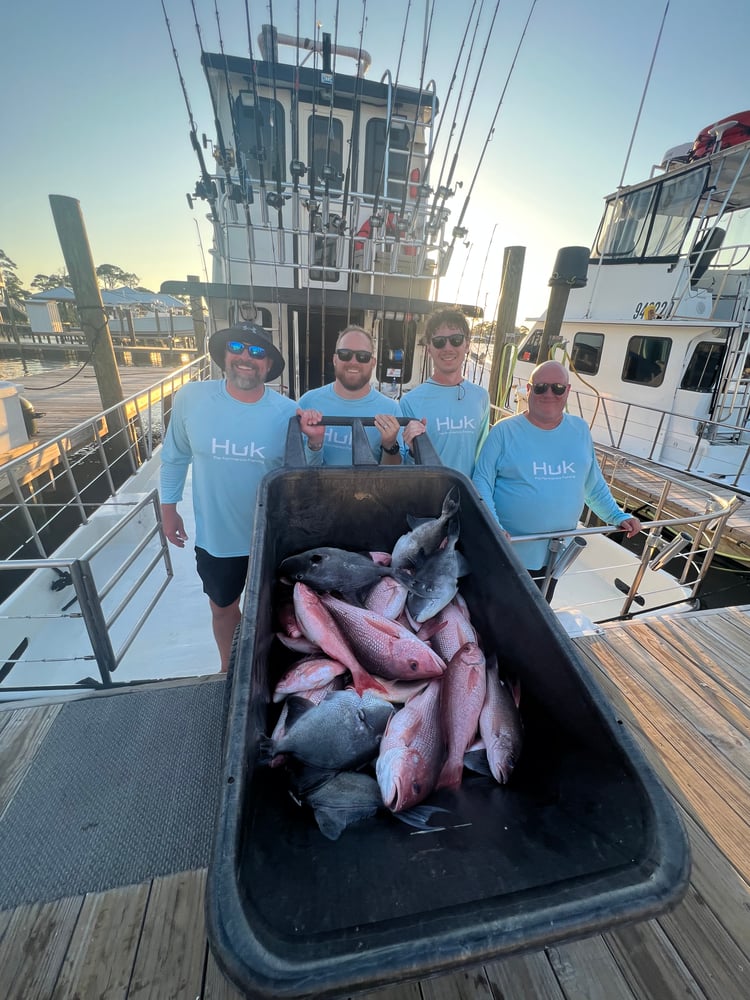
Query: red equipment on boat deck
(726, 132)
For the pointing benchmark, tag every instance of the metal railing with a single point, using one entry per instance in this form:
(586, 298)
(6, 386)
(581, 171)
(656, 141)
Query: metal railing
(99, 605)
(48, 492)
(695, 543)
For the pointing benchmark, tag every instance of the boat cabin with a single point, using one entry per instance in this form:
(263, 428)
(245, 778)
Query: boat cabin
(657, 340)
(321, 205)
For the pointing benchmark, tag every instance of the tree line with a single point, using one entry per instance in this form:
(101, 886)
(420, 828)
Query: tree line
(109, 275)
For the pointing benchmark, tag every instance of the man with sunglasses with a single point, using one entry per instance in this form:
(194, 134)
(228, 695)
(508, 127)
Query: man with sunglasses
(537, 469)
(453, 411)
(233, 431)
(352, 395)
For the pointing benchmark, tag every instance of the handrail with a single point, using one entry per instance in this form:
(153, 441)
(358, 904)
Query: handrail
(85, 464)
(712, 521)
(90, 597)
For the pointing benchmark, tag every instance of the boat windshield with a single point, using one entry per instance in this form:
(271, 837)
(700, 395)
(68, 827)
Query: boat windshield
(651, 221)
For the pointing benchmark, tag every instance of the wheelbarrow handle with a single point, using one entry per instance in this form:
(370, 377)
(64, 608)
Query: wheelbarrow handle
(422, 448)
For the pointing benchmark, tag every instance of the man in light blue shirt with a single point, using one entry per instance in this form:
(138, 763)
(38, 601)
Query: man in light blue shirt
(537, 469)
(233, 431)
(352, 395)
(454, 412)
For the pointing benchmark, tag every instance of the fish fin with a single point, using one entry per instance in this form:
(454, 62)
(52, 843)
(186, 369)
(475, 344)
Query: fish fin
(419, 816)
(476, 760)
(431, 628)
(462, 565)
(333, 820)
(514, 686)
(411, 583)
(266, 751)
(296, 708)
(416, 522)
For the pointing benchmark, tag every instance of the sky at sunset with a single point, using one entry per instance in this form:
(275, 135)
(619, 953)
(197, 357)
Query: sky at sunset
(92, 108)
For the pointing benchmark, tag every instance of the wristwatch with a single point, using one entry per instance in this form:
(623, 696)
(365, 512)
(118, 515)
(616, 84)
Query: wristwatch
(393, 449)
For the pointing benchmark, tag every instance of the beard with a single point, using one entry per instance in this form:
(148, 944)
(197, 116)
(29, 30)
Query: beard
(245, 379)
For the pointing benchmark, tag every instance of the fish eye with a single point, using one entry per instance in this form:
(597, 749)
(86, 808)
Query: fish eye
(413, 665)
(316, 559)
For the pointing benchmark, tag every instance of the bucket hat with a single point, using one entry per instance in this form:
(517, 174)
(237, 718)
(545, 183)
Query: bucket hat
(249, 333)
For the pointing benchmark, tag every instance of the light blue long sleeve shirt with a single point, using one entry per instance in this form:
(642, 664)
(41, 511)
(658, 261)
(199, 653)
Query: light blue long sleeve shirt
(232, 445)
(536, 480)
(337, 443)
(458, 418)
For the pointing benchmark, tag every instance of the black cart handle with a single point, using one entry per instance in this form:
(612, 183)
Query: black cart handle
(294, 454)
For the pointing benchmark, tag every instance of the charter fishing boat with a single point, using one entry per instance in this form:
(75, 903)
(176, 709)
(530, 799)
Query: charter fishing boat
(657, 336)
(323, 206)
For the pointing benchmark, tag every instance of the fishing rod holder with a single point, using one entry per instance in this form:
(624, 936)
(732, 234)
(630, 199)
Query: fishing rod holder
(668, 550)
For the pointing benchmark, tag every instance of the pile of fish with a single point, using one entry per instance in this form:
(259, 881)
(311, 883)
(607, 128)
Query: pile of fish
(393, 695)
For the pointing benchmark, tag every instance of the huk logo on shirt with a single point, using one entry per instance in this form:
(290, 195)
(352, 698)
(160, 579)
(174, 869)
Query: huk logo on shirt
(338, 437)
(237, 452)
(554, 470)
(446, 425)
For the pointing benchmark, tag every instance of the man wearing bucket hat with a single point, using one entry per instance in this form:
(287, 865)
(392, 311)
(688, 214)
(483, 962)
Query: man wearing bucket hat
(233, 431)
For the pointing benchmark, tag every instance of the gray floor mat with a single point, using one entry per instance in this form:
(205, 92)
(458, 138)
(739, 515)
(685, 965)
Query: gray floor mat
(123, 789)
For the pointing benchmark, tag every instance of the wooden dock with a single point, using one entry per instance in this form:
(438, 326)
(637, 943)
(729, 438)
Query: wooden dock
(681, 684)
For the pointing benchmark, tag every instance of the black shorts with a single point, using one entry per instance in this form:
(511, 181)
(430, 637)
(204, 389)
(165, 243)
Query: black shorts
(223, 577)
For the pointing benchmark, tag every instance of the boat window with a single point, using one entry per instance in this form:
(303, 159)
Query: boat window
(325, 143)
(260, 124)
(529, 348)
(704, 366)
(586, 354)
(650, 222)
(399, 141)
(646, 360)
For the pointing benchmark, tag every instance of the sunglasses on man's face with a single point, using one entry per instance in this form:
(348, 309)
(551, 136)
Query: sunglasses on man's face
(456, 339)
(541, 387)
(344, 354)
(238, 346)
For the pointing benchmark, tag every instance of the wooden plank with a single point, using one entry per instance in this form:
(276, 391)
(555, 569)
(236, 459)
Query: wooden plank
(33, 948)
(99, 961)
(651, 964)
(169, 960)
(20, 738)
(714, 959)
(709, 651)
(719, 886)
(216, 986)
(722, 722)
(470, 984)
(523, 976)
(704, 788)
(587, 969)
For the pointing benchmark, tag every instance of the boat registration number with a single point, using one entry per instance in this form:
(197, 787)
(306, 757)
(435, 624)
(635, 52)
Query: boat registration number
(653, 310)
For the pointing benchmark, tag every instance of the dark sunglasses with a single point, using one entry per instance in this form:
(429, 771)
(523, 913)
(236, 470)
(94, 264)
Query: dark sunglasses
(456, 340)
(237, 347)
(345, 354)
(541, 387)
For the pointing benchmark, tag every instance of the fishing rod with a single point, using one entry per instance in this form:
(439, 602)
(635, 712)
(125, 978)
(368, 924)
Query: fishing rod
(245, 181)
(444, 191)
(260, 152)
(458, 231)
(351, 175)
(393, 88)
(423, 189)
(417, 109)
(205, 188)
(276, 198)
(224, 157)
